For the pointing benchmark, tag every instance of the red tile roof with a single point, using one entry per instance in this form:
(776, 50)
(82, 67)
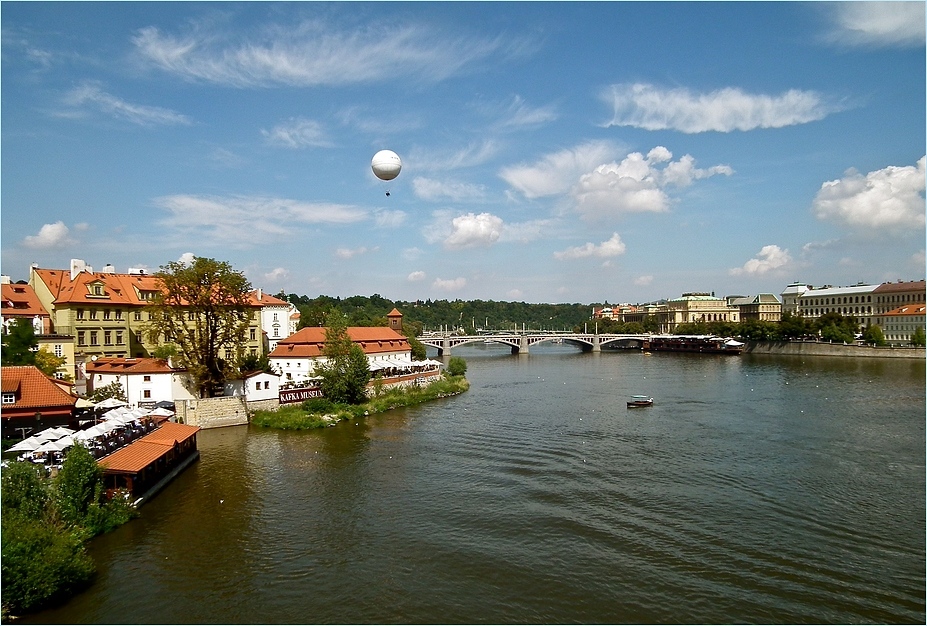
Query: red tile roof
(124, 365)
(310, 341)
(914, 285)
(141, 453)
(33, 389)
(909, 309)
(21, 301)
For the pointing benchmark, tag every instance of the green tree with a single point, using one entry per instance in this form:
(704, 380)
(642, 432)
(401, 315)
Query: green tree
(24, 491)
(255, 363)
(78, 486)
(47, 362)
(456, 366)
(346, 371)
(919, 337)
(112, 390)
(793, 326)
(874, 335)
(19, 344)
(204, 309)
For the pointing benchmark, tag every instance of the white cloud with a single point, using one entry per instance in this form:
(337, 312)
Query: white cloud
(645, 106)
(637, 184)
(555, 173)
(350, 253)
(313, 53)
(453, 284)
(515, 294)
(876, 23)
(91, 94)
(186, 258)
(412, 254)
(50, 236)
(643, 281)
(474, 231)
(297, 133)
(471, 155)
(612, 247)
(277, 274)
(231, 219)
(415, 277)
(890, 199)
(433, 190)
(769, 258)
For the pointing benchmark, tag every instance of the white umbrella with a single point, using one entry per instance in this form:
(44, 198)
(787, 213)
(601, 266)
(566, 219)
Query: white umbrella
(162, 412)
(90, 433)
(110, 403)
(49, 434)
(26, 445)
(83, 403)
(49, 446)
(65, 442)
(117, 412)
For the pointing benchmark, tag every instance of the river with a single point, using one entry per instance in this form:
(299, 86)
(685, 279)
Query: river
(757, 489)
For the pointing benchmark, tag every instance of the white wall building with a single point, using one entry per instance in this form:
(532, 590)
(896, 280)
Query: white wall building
(279, 318)
(255, 386)
(145, 381)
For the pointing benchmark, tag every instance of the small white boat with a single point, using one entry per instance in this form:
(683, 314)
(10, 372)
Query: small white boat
(637, 402)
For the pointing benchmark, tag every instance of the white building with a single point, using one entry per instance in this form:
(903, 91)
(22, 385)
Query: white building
(255, 386)
(279, 318)
(296, 357)
(145, 381)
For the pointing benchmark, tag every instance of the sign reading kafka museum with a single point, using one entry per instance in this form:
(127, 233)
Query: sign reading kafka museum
(289, 396)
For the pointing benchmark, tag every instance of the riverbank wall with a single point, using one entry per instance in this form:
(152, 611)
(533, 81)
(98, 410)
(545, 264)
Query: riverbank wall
(821, 348)
(212, 412)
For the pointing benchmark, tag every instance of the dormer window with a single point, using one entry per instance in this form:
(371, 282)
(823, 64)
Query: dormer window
(9, 397)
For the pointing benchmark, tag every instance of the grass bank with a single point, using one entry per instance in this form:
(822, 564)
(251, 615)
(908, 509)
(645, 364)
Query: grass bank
(319, 412)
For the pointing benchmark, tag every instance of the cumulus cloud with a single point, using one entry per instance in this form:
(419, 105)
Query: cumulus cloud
(612, 247)
(557, 172)
(415, 277)
(90, 94)
(769, 258)
(452, 284)
(474, 231)
(186, 258)
(231, 219)
(889, 199)
(50, 236)
(434, 190)
(315, 52)
(876, 23)
(637, 184)
(297, 133)
(649, 107)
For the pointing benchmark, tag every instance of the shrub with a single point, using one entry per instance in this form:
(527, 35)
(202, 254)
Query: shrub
(456, 366)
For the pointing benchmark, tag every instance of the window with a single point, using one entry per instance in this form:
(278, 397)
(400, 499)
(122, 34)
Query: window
(107, 338)
(98, 290)
(93, 314)
(119, 315)
(59, 350)
(80, 338)
(146, 394)
(266, 384)
(257, 386)
(9, 397)
(138, 336)
(106, 314)
(80, 314)
(253, 333)
(93, 338)
(146, 378)
(119, 340)
(138, 316)
(275, 317)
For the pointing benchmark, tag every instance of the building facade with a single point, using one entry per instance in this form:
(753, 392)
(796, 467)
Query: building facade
(899, 325)
(695, 307)
(106, 313)
(145, 381)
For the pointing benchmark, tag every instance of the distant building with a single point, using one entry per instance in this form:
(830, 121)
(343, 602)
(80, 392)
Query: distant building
(764, 307)
(145, 381)
(899, 325)
(695, 307)
(296, 356)
(279, 318)
(32, 401)
(21, 302)
(889, 296)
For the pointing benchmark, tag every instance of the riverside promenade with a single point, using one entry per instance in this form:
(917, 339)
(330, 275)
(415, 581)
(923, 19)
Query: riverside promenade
(823, 348)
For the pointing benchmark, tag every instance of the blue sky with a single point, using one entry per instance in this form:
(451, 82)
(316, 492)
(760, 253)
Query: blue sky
(552, 152)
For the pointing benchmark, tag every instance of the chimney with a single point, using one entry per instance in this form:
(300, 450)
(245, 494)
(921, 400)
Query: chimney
(259, 294)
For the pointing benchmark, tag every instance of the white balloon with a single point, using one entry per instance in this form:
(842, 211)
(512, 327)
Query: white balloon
(386, 165)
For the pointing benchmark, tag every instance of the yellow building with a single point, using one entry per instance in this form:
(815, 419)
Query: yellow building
(696, 307)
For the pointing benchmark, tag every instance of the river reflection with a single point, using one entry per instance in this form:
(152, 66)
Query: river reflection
(757, 489)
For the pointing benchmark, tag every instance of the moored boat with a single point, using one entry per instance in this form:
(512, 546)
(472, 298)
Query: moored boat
(694, 343)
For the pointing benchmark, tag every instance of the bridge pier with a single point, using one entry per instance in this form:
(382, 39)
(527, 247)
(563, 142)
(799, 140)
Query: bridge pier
(596, 346)
(523, 345)
(445, 347)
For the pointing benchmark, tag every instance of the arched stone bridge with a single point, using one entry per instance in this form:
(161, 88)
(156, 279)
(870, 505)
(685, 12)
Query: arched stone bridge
(522, 342)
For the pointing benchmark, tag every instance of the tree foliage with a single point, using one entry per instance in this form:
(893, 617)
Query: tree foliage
(19, 344)
(203, 309)
(47, 362)
(456, 366)
(874, 335)
(345, 371)
(112, 390)
(919, 337)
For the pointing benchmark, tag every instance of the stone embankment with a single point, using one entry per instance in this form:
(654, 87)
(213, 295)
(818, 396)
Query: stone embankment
(821, 348)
